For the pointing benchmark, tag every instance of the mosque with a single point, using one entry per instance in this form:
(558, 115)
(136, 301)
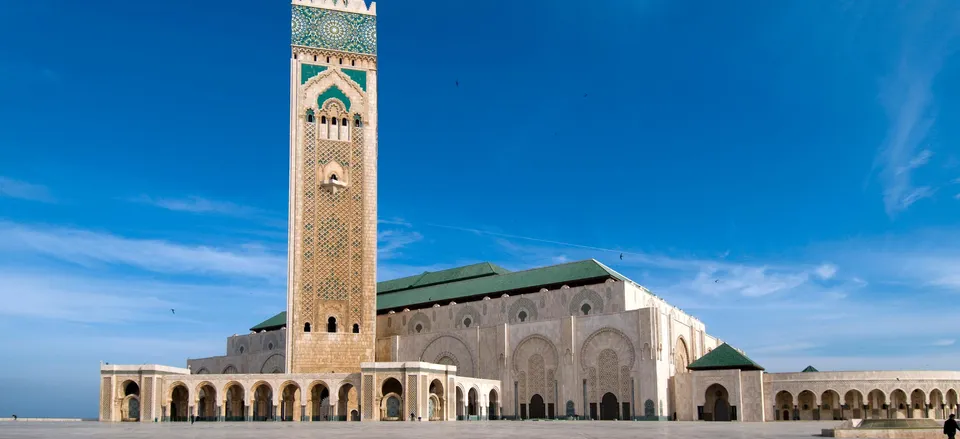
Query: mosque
(479, 342)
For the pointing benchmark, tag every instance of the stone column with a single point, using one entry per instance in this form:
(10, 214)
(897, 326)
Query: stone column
(332, 412)
(303, 411)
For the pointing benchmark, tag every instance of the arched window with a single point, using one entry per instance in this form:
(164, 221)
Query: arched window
(356, 328)
(314, 57)
(241, 349)
(333, 177)
(353, 62)
(344, 122)
(333, 120)
(306, 327)
(332, 324)
(341, 60)
(294, 56)
(585, 308)
(522, 316)
(328, 59)
(356, 122)
(310, 116)
(323, 120)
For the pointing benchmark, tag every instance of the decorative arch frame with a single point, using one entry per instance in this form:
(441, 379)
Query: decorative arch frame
(200, 386)
(522, 304)
(124, 408)
(169, 393)
(461, 353)
(684, 354)
(315, 86)
(228, 385)
(277, 359)
(122, 388)
(467, 311)
(586, 296)
(421, 318)
(818, 397)
(519, 354)
(625, 349)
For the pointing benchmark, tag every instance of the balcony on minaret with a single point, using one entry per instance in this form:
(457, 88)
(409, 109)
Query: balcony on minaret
(333, 184)
(333, 177)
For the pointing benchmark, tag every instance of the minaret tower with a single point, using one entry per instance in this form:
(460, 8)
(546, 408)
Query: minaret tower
(332, 256)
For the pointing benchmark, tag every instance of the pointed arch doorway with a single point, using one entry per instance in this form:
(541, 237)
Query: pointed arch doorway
(609, 407)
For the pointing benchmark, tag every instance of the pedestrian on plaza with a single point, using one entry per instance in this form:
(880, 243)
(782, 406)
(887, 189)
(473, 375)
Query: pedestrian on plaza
(950, 427)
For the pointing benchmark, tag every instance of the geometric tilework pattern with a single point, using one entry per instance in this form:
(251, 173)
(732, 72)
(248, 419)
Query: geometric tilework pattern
(335, 30)
(536, 381)
(412, 403)
(332, 251)
(367, 397)
(146, 406)
(625, 383)
(609, 371)
(107, 396)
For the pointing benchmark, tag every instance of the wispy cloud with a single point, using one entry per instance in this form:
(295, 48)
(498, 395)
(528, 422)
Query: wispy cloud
(908, 99)
(394, 221)
(90, 248)
(84, 300)
(944, 342)
(26, 191)
(826, 271)
(195, 204)
(390, 242)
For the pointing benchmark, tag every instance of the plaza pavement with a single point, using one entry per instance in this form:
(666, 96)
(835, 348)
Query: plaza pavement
(418, 430)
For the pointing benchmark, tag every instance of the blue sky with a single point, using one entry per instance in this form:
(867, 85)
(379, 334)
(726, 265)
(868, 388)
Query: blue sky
(804, 153)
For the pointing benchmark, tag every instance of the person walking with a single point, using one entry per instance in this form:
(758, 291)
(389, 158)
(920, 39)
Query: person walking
(950, 427)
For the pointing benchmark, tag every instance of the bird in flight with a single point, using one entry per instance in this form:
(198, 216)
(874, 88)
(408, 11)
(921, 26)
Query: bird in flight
(621, 256)
(458, 83)
(584, 95)
(716, 281)
(172, 311)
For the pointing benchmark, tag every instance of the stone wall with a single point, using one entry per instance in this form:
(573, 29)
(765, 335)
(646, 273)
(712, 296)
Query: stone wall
(261, 352)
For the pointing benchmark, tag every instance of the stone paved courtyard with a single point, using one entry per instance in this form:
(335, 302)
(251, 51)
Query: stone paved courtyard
(446, 430)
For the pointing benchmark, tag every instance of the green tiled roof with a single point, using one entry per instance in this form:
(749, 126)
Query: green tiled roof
(469, 281)
(440, 277)
(810, 369)
(276, 322)
(724, 357)
(489, 285)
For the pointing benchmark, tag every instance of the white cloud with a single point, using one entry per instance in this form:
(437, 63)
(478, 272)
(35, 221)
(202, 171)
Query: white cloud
(11, 188)
(394, 221)
(746, 280)
(91, 248)
(907, 97)
(390, 242)
(195, 204)
(79, 299)
(944, 342)
(826, 271)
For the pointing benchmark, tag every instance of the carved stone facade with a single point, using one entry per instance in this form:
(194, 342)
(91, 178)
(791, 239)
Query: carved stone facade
(331, 297)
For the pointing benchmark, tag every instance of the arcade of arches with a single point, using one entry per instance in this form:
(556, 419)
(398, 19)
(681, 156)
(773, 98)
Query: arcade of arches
(810, 405)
